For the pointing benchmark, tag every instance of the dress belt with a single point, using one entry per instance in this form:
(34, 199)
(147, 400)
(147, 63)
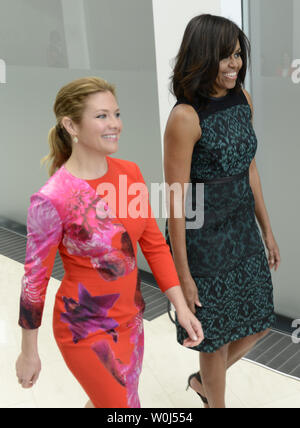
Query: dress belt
(221, 179)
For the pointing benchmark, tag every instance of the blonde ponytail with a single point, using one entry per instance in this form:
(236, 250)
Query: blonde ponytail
(60, 148)
(70, 102)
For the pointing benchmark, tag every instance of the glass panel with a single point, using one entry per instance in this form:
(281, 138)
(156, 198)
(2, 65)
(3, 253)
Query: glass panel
(275, 88)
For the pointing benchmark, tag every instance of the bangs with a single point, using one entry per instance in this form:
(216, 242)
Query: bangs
(229, 37)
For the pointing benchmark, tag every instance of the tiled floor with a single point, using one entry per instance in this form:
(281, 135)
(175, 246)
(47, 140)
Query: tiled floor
(165, 371)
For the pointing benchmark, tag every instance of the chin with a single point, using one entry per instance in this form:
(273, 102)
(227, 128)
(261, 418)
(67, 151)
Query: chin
(231, 85)
(112, 150)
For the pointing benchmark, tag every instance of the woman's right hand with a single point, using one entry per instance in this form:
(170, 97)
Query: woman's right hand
(190, 292)
(28, 370)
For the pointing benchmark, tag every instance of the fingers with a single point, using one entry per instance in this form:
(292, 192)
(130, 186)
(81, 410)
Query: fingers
(198, 330)
(26, 384)
(274, 259)
(195, 332)
(189, 343)
(191, 306)
(271, 259)
(198, 303)
(193, 303)
(35, 378)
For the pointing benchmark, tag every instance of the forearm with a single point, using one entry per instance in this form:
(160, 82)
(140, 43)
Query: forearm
(176, 228)
(30, 343)
(176, 297)
(260, 207)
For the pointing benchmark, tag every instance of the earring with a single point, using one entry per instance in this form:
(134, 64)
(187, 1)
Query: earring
(75, 140)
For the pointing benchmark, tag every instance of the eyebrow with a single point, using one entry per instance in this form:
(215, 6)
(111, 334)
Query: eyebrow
(106, 111)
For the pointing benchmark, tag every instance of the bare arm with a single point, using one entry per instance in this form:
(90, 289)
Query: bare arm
(261, 212)
(182, 132)
(260, 207)
(255, 183)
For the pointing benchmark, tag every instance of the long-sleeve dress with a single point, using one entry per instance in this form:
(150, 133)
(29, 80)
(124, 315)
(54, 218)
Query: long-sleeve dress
(98, 311)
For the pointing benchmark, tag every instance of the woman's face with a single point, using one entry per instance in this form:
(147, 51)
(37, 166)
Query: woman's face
(228, 71)
(101, 125)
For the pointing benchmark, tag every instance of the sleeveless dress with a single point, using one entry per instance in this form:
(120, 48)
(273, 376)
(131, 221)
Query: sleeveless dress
(226, 256)
(98, 311)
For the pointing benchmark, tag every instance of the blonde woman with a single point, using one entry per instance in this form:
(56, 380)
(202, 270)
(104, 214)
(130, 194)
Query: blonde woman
(98, 313)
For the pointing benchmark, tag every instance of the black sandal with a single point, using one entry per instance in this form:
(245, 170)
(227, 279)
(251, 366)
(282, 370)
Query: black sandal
(198, 377)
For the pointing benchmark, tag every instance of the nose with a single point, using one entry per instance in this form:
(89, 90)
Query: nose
(114, 122)
(233, 62)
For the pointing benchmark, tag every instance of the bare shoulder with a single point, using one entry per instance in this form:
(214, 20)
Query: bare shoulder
(249, 99)
(183, 119)
(185, 114)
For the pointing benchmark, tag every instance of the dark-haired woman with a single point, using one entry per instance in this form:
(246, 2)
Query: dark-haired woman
(209, 139)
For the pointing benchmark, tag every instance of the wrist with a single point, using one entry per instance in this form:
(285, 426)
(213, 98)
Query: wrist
(185, 278)
(176, 297)
(29, 345)
(30, 356)
(267, 232)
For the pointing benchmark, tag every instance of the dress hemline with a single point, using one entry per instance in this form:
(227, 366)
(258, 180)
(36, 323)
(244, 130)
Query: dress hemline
(241, 332)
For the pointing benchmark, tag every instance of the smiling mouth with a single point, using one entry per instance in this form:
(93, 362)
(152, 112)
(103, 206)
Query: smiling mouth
(231, 76)
(111, 137)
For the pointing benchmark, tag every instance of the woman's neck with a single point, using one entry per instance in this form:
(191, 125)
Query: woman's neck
(87, 166)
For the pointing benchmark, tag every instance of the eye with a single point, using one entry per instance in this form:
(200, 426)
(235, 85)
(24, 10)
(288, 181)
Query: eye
(118, 115)
(238, 54)
(102, 116)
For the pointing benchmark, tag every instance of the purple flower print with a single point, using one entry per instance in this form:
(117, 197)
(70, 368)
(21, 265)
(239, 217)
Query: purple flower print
(110, 362)
(89, 314)
(126, 374)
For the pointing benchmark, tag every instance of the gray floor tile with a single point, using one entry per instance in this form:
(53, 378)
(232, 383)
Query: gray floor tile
(275, 349)
(283, 356)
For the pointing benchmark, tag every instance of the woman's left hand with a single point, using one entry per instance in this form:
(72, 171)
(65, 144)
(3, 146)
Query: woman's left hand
(274, 255)
(193, 327)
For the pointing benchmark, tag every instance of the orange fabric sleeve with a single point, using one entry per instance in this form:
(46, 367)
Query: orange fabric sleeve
(157, 251)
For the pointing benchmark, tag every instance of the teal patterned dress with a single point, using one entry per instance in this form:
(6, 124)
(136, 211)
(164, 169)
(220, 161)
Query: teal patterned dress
(226, 256)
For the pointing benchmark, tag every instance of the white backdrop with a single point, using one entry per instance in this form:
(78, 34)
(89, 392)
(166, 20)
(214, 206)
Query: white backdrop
(170, 20)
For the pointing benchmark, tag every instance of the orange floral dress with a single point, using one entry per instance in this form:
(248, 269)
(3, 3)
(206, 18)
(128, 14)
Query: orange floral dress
(98, 312)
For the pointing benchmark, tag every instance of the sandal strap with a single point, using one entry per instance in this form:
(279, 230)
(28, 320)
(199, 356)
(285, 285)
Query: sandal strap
(198, 377)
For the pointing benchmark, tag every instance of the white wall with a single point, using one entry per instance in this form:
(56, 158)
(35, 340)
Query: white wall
(170, 20)
(232, 9)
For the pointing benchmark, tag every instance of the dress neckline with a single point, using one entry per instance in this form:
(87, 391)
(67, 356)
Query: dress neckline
(219, 98)
(94, 180)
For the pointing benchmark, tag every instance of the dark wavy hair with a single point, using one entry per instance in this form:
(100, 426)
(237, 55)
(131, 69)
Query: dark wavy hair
(207, 40)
